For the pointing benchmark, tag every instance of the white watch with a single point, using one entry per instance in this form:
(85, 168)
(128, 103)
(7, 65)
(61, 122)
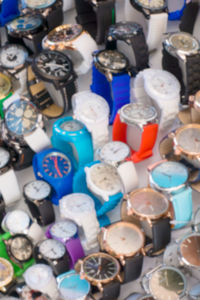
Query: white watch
(93, 111)
(160, 89)
(80, 208)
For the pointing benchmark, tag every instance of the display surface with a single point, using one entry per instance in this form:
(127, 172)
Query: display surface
(37, 190)
(56, 165)
(13, 56)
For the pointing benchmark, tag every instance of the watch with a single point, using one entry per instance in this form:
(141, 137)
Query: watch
(54, 167)
(53, 253)
(37, 196)
(24, 123)
(124, 241)
(156, 15)
(181, 57)
(93, 111)
(102, 271)
(191, 9)
(5, 91)
(160, 89)
(117, 154)
(111, 79)
(26, 293)
(7, 276)
(80, 208)
(138, 116)
(132, 35)
(72, 137)
(177, 14)
(66, 231)
(170, 178)
(73, 40)
(152, 209)
(191, 115)
(95, 17)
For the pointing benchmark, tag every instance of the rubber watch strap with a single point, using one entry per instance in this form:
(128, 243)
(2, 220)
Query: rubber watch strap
(75, 251)
(140, 50)
(1, 104)
(176, 15)
(111, 291)
(132, 268)
(189, 17)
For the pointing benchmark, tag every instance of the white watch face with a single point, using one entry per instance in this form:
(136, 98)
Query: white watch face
(189, 140)
(4, 157)
(106, 178)
(77, 203)
(152, 4)
(63, 229)
(184, 42)
(138, 113)
(17, 221)
(114, 152)
(12, 56)
(37, 276)
(52, 249)
(72, 125)
(38, 4)
(37, 190)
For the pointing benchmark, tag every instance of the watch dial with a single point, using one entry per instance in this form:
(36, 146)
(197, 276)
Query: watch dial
(189, 139)
(77, 203)
(167, 283)
(114, 152)
(64, 33)
(124, 30)
(150, 203)
(183, 41)
(112, 59)
(4, 157)
(17, 221)
(137, 112)
(38, 275)
(21, 117)
(38, 4)
(72, 125)
(52, 249)
(6, 272)
(169, 174)
(25, 23)
(124, 239)
(5, 86)
(65, 230)
(151, 4)
(12, 56)
(190, 250)
(21, 248)
(56, 165)
(100, 267)
(106, 178)
(37, 190)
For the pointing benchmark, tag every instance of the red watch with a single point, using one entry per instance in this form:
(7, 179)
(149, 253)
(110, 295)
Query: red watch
(142, 116)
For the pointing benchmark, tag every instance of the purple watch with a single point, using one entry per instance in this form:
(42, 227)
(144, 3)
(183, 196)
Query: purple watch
(66, 231)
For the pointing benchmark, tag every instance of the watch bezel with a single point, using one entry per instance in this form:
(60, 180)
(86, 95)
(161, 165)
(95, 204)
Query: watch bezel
(44, 6)
(23, 49)
(55, 237)
(33, 199)
(113, 162)
(116, 36)
(147, 10)
(11, 270)
(9, 247)
(9, 83)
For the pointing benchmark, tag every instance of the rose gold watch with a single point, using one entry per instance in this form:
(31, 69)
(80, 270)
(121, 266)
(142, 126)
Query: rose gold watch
(194, 102)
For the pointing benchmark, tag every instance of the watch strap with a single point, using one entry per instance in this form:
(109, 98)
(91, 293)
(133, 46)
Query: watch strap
(161, 234)
(128, 175)
(111, 291)
(38, 140)
(8, 180)
(140, 50)
(42, 211)
(23, 158)
(176, 15)
(189, 17)
(75, 251)
(62, 265)
(2, 211)
(193, 75)
(132, 268)
(110, 204)
(35, 232)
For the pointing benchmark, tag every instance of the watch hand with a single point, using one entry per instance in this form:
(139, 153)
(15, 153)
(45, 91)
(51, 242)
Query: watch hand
(56, 166)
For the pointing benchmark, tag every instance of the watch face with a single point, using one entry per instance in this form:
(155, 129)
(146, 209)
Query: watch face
(77, 203)
(6, 272)
(38, 4)
(124, 30)
(63, 33)
(189, 249)
(124, 238)
(149, 203)
(152, 4)
(184, 42)
(25, 23)
(72, 125)
(167, 283)
(38, 275)
(169, 174)
(21, 117)
(53, 65)
(17, 221)
(37, 190)
(5, 86)
(21, 248)
(112, 59)
(100, 267)
(56, 165)
(189, 139)
(65, 230)
(106, 178)
(4, 157)
(138, 113)
(13, 56)
(52, 249)
(114, 152)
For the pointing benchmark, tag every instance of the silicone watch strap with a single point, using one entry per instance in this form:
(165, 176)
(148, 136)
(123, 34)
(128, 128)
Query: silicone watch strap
(8, 180)
(140, 50)
(36, 233)
(42, 211)
(161, 233)
(75, 251)
(38, 140)
(111, 291)
(189, 17)
(132, 268)
(148, 139)
(1, 104)
(128, 175)
(176, 15)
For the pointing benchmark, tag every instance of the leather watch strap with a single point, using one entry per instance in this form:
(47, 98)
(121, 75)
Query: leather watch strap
(24, 158)
(132, 268)
(62, 265)
(43, 212)
(161, 232)
(111, 291)
(189, 17)
(140, 49)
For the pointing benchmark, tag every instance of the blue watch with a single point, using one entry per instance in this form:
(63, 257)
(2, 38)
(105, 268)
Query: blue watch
(67, 132)
(171, 177)
(9, 11)
(176, 15)
(55, 167)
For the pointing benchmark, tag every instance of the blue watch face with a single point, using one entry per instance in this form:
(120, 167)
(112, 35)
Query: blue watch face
(169, 174)
(56, 165)
(25, 23)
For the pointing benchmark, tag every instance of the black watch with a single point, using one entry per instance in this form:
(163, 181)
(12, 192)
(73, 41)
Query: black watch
(95, 17)
(189, 17)
(37, 195)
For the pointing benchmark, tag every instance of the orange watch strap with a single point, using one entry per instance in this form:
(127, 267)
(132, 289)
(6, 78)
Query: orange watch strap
(119, 130)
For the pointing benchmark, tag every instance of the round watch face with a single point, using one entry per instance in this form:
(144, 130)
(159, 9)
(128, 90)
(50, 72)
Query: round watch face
(72, 125)
(37, 190)
(169, 174)
(38, 275)
(52, 249)
(189, 139)
(6, 272)
(38, 4)
(21, 117)
(21, 248)
(64, 230)
(114, 152)
(184, 42)
(56, 165)
(26, 23)
(100, 267)
(113, 60)
(124, 238)
(152, 4)
(167, 283)
(106, 178)
(5, 86)
(17, 221)
(13, 56)
(138, 113)
(63, 33)
(149, 203)
(77, 203)
(4, 157)
(189, 250)
(124, 30)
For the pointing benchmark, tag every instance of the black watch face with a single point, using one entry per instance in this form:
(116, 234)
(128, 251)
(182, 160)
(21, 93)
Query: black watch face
(151, 4)
(21, 117)
(37, 190)
(124, 30)
(21, 248)
(25, 23)
(13, 56)
(113, 60)
(64, 33)
(39, 4)
(53, 65)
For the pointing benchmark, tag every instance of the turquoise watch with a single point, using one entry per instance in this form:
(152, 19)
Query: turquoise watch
(171, 178)
(72, 137)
